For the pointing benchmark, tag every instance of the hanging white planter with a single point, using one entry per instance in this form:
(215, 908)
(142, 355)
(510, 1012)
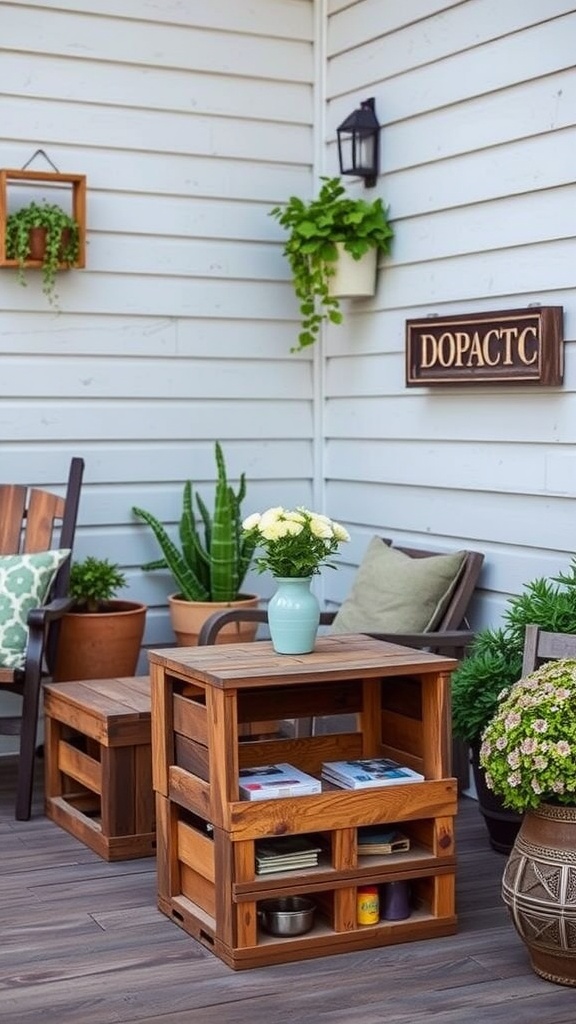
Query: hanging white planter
(354, 278)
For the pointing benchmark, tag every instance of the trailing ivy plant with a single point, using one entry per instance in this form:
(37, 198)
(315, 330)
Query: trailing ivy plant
(494, 662)
(315, 227)
(62, 242)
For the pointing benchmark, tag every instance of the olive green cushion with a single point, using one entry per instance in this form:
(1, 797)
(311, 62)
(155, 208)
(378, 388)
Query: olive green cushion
(25, 581)
(394, 593)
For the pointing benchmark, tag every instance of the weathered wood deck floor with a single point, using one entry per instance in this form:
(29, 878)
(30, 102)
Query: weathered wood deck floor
(81, 942)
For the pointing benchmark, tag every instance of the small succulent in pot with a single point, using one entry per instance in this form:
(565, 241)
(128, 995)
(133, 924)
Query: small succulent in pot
(94, 582)
(59, 247)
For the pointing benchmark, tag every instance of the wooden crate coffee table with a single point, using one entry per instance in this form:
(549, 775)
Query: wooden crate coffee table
(202, 699)
(98, 780)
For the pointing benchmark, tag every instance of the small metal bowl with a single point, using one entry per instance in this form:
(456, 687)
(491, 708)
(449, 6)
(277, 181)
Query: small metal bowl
(289, 915)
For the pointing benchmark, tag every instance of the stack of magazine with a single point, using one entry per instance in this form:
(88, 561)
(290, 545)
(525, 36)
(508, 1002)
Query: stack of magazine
(367, 773)
(286, 853)
(379, 839)
(269, 781)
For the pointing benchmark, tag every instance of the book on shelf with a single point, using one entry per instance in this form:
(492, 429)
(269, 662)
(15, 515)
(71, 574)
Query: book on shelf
(367, 773)
(373, 840)
(284, 853)
(269, 781)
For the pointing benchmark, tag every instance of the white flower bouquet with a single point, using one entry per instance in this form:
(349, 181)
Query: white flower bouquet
(296, 542)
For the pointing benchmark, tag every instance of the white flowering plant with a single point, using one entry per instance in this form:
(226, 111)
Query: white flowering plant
(528, 748)
(296, 542)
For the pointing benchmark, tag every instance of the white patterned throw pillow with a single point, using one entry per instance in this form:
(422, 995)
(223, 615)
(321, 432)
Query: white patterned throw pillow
(24, 584)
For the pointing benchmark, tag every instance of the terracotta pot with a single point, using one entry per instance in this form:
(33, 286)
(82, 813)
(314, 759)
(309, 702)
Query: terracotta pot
(100, 645)
(354, 278)
(38, 242)
(539, 889)
(188, 617)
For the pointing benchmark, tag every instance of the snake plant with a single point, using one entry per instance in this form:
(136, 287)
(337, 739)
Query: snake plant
(214, 555)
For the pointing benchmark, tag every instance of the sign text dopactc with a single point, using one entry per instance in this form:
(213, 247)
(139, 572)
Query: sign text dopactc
(522, 346)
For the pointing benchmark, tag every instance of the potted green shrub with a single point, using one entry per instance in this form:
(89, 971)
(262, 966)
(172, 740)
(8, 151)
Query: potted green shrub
(492, 666)
(319, 232)
(100, 637)
(211, 563)
(43, 233)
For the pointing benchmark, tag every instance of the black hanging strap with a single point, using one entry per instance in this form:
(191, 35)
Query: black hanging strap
(41, 152)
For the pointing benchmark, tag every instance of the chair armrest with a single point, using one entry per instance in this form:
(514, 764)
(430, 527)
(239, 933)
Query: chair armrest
(217, 620)
(452, 643)
(40, 617)
(39, 635)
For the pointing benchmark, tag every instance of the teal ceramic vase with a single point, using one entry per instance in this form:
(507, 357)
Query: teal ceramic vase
(293, 616)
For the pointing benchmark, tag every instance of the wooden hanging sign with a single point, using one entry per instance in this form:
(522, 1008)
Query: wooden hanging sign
(515, 346)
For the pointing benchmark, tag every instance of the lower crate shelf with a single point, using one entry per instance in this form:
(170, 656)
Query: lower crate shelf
(322, 940)
(189, 895)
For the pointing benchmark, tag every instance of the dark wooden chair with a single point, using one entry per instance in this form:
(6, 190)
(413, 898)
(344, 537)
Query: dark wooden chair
(33, 520)
(450, 638)
(451, 633)
(540, 646)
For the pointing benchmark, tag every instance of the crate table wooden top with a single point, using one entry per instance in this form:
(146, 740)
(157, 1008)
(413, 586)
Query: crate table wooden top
(237, 666)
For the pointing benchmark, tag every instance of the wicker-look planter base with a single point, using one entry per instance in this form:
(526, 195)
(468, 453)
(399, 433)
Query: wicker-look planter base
(539, 889)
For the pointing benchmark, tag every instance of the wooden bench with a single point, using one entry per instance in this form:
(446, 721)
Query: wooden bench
(98, 779)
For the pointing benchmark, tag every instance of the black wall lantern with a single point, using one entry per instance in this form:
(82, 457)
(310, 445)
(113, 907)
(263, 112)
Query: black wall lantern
(359, 144)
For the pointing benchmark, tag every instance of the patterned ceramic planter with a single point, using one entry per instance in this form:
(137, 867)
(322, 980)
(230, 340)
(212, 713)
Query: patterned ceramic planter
(539, 889)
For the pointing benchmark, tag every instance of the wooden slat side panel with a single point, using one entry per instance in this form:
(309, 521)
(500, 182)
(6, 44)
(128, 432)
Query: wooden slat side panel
(192, 757)
(307, 701)
(79, 766)
(405, 736)
(198, 889)
(190, 792)
(190, 719)
(195, 850)
(307, 753)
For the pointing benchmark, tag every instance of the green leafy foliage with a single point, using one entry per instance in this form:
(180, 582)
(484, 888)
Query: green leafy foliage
(61, 250)
(495, 659)
(94, 582)
(315, 228)
(214, 554)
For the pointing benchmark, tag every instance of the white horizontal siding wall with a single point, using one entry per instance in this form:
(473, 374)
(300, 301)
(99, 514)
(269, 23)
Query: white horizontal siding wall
(477, 103)
(190, 122)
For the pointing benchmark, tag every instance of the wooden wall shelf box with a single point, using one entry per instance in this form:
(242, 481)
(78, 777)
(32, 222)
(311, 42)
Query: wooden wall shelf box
(207, 882)
(76, 186)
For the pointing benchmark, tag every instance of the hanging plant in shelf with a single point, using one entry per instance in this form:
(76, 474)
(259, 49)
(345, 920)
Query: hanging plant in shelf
(46, 234)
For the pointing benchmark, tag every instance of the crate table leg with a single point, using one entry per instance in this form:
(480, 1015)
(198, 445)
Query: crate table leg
(118, 786)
